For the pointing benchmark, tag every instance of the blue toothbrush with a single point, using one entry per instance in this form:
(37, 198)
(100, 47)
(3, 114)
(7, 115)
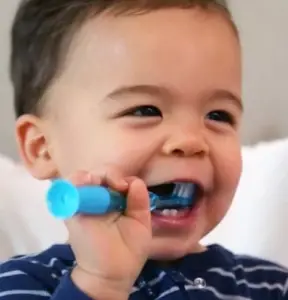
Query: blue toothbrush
(65, 200)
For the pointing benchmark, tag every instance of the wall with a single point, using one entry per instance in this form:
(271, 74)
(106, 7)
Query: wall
(7, 145)
(263, 25)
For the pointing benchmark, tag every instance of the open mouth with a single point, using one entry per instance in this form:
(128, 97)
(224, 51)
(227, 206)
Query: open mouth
(176, 196)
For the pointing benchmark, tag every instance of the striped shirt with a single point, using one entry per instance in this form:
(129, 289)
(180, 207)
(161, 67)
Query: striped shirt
(214, 274)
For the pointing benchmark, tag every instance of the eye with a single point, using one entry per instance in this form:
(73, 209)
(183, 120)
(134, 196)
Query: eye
(221, 116)
(144, 111)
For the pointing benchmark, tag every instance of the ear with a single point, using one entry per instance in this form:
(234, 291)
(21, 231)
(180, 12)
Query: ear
(33, 145)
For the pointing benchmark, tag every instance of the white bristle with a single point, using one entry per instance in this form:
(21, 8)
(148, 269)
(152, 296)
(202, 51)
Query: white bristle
(184, 190)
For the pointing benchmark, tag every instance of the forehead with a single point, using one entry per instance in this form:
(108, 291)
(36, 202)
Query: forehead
(187, 50)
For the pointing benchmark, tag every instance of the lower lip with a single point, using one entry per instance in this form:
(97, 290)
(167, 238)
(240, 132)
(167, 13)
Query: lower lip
(185, 218)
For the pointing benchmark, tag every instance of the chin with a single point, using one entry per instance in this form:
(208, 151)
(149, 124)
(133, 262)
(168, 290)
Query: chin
(171, 248)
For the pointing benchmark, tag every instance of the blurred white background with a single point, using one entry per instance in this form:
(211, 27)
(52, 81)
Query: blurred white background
(263, 25)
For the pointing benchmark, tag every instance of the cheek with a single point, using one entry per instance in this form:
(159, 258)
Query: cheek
(232, 169)
(228, 167)
(75, 146)
(98, 150)
(227, 164)
(226, 182)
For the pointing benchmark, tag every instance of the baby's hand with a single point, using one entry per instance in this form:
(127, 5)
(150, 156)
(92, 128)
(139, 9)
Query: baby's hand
(111, 250)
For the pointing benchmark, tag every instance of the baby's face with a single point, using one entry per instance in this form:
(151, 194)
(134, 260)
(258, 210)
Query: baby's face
(156, 96)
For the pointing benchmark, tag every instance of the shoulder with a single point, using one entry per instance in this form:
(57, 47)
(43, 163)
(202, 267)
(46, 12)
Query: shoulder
(258, 267)
(249, 263)
(57, 259)
(254, 273)
(35, 273)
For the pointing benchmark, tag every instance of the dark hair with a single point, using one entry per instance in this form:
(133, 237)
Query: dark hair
(43, 29)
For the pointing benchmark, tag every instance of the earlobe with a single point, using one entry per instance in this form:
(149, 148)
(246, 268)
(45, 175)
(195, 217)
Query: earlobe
(33, 146)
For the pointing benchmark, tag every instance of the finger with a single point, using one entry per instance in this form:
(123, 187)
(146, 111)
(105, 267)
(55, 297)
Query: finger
(115, 180)
(80, 178)
(138, 202)
(84, 178)
(111, 179)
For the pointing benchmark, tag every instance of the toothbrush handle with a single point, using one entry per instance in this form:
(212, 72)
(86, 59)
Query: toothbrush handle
(64, 200)
(99, 200)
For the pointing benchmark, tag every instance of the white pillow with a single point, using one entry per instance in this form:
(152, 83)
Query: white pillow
(25, 224)
(256, 223)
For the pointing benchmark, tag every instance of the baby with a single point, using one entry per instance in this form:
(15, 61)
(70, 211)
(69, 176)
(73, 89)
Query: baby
(137, 96)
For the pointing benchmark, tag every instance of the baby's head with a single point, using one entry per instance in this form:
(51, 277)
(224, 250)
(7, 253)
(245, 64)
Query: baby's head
(152, 88)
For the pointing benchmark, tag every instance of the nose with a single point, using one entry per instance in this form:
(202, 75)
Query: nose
(185, 143)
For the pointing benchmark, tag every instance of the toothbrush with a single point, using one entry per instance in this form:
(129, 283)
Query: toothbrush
(65, 200)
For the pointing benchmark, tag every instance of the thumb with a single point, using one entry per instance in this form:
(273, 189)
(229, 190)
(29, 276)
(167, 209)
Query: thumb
(138, 202)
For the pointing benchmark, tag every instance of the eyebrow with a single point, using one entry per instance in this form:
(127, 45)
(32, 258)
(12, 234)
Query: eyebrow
(149, 90)
(164, 93)
(225, 94)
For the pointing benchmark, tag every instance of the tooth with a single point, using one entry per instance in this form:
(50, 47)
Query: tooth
(173, 212)
(169, 212)
(166, 212)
